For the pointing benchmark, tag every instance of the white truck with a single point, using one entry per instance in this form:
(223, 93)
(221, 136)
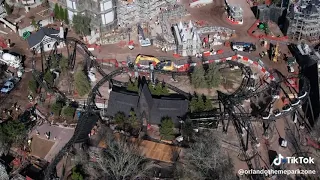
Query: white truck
(12, 61)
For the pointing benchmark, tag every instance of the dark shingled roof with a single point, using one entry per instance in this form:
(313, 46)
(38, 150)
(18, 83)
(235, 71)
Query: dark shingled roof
(158, 107)
(173, 108)
(37, 37)
(121, 102)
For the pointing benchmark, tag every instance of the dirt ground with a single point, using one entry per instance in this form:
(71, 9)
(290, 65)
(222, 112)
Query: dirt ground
(40, 147)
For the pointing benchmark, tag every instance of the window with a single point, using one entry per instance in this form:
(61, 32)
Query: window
(107, 18)
(49, 45)
(106, 6)
(71, 4)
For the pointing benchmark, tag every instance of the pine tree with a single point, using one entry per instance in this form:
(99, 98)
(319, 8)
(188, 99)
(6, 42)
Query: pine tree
(208, 104)
(82, 83)
(56, 11)
(165, 90)
(198, 77)
(200, 105)
(61, 13)
(193, 104)
(151, 88)
(213, 76)
(166, 129)
(158, 89)
(66, 16)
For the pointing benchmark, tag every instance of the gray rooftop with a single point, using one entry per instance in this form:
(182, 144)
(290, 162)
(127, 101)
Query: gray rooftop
(159, 107)
(36, 38)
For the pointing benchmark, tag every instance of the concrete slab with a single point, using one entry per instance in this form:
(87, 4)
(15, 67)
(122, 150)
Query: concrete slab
(59, 136)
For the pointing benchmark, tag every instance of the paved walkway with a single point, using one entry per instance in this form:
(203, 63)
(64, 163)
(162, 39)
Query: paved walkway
(62, 134)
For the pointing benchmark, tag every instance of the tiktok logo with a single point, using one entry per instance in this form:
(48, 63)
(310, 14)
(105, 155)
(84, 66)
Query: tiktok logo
(280, 159)
(292, 160)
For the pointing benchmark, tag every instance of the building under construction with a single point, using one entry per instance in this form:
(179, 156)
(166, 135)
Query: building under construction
(132, 12)
(304, 21)
(235, 11)
(101, 12)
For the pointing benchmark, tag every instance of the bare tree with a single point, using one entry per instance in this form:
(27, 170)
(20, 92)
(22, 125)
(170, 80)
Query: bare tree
(206, 160)
(3, 173)
(122, 160)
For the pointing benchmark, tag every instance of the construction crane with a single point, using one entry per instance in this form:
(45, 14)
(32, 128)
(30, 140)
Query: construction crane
(276, 53)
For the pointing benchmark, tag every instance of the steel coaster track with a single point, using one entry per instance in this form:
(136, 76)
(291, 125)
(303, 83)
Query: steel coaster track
(232, 99)
(89, 110)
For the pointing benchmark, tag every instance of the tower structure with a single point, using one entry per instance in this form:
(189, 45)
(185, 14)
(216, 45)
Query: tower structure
(187, 39)
(305, 21)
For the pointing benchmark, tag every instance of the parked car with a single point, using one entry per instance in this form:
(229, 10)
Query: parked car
(9, 84)
(7, 87)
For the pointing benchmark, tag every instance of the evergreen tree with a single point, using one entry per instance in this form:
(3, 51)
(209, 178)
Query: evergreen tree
(68, 111)
(213, 76)
(56, 108)
(158, 89)
(120, 119)
(200, 105)
(61, 13)
(151, 88)
(33, 86)
(34, 24)
(63, 63)
(56, 11)
(48, 77)
(193, 104)
(165, 91)
(198, 77)
(81, 24)
(208, 104)
(66, 16)
(82, 83)
(133, 120)
(166, 129)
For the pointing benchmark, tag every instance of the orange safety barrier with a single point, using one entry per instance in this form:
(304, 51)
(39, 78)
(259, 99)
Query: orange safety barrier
(176, 55)
(220, 51)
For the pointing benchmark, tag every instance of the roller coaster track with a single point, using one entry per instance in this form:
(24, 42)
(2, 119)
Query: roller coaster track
(240, 119)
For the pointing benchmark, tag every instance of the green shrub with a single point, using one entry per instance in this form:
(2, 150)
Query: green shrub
(68, 111)
(48, 77)
(33, 86)
(56, 108)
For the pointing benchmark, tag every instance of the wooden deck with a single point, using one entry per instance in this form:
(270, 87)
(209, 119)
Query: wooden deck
(153, 150)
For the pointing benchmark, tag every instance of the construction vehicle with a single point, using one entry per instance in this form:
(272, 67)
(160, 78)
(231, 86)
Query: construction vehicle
(144, 42)
(25, 35)
(243, 46)
(144, 61)
(10, 60)
(264, 27)
(166, 65)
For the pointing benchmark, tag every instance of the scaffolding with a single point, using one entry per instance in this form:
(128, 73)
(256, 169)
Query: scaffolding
(131, 13)
(235, 13)
(305, 23)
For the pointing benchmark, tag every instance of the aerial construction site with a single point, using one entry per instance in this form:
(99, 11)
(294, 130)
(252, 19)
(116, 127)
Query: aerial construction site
(151, 89)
